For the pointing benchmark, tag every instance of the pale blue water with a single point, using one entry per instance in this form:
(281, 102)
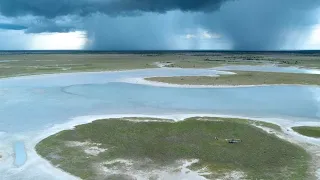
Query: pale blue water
(33, 104)
(28, 109)
(20, 154)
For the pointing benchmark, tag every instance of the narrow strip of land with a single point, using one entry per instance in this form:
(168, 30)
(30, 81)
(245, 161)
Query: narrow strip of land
(243, 78)
(308, 131)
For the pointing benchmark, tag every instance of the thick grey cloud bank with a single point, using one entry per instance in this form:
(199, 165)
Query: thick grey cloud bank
(155, 24)
(54, 8)
(8, 26)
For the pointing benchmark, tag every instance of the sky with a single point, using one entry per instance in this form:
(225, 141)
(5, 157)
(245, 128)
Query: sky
(159, 24)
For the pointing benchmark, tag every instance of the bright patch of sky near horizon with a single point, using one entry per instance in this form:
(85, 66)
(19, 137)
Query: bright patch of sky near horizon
(58, 41)
(313, 42)
(42, 41)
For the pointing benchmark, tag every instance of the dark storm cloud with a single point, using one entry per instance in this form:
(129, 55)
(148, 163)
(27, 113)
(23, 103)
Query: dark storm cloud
(246, 24)
(53, 25)
(50, 28)
(153, 24)
(7, 26)
(55, 8)
(263, 24)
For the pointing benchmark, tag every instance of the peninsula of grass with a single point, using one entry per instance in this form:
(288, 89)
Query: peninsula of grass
(309, 131)
(243, 78)
(154, 145)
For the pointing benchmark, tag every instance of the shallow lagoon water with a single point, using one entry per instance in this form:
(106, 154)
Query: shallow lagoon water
(32, 104)
(35, 102)
(30, 109)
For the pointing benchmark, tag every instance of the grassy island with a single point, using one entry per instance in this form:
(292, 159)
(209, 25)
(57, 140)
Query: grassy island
(125, 147)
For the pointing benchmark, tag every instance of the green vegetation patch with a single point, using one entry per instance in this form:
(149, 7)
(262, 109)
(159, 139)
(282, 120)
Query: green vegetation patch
(308, 131)
(243, 78)
(209, 60)
(27, 64)
(258, 154)
(203, 62)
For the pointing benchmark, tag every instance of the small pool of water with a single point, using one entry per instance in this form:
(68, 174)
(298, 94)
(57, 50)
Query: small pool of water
(19, 153)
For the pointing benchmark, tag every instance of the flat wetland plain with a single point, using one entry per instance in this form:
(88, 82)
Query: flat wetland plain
(243, 78)
(19, 64)
(125, 148)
